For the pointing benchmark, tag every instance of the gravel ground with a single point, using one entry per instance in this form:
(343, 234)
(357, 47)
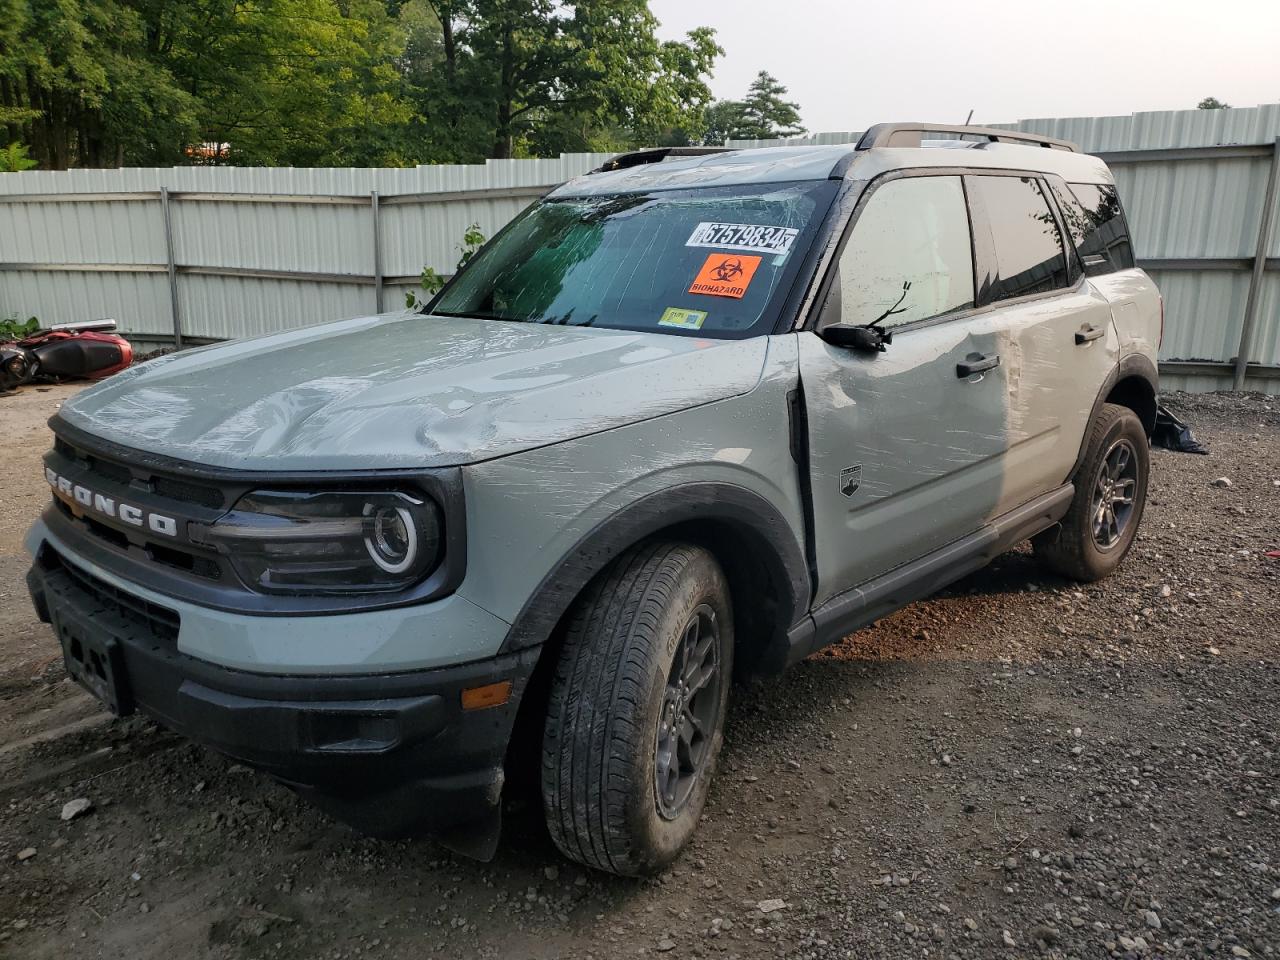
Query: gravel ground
(1019, 767)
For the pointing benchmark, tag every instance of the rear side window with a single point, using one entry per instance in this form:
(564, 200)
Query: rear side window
(910, 257)
(1097, 226)
(1027, 253)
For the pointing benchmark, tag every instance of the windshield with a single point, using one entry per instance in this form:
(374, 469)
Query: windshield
(710, 261)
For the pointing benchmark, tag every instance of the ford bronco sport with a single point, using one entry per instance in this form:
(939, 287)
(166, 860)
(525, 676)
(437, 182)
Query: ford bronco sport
(692, 416)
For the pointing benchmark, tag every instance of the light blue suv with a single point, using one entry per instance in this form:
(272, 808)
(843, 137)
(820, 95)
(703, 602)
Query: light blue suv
(692, 416)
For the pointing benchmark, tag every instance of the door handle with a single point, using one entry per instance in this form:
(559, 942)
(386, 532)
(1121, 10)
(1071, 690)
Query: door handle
(976, 363)
(1090, 333)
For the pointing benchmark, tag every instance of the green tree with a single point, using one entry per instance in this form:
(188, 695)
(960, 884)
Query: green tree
(723, 121)
(544, 77)
(1212, 103)
(762, 115)
(294, 82)
(765, 115)
(73, 87)
(341, 82)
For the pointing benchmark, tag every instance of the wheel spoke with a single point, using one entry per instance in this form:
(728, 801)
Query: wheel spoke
(687, 644)
(1122, 462)
(687, 724)
(701, 666)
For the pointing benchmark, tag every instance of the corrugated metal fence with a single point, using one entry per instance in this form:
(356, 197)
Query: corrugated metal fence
(223, 252)
(228, 252)
(1200, 189)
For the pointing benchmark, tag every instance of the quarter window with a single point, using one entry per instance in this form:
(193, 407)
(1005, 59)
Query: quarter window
(910, 256)
(1027, 245)
(1097, 226)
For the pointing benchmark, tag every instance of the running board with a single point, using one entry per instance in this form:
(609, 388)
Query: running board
(863, 605)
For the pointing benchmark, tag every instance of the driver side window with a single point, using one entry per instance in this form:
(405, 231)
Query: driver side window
(910, 256)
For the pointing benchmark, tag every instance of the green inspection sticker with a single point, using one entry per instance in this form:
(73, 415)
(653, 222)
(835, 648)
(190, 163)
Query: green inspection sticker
(679, 317)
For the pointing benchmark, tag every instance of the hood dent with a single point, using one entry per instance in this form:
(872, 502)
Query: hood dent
(407, 391)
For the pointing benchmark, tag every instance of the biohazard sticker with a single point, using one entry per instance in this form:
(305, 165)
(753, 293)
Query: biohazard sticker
(680, 317)
(725, 275)
(753, 237)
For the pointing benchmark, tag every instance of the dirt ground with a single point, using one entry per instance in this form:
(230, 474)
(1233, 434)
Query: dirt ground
(1020, 767)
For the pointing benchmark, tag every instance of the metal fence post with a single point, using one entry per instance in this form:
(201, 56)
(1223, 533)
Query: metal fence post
(173, 273)
(1259, 266)
(377, 252)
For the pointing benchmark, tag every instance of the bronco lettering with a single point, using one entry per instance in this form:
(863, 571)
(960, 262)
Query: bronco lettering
(109, 507)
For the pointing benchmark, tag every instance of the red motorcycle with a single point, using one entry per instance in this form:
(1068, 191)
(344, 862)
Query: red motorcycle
(65, 351)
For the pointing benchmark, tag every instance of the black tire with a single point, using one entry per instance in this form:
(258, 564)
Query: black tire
(610, 696)
(1086, 546)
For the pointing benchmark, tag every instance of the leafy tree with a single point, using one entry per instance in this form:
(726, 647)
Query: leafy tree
(341, 82)
(296, 82)
(765, 115)
(762, 115)
(544, 77)
(73, 87)
(1212, 103)
(723, 121)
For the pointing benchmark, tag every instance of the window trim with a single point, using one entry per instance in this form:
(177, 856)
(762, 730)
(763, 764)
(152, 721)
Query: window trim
(811, 305)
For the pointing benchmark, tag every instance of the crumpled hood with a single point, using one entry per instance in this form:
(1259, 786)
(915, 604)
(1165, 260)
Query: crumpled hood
(406, 391)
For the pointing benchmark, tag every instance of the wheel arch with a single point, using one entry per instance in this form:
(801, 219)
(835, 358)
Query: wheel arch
(1134, 383)
(750, 538)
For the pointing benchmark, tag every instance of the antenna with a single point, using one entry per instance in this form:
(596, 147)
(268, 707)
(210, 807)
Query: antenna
(969, 118)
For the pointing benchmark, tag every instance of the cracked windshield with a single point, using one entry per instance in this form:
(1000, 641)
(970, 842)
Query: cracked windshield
(711, 261)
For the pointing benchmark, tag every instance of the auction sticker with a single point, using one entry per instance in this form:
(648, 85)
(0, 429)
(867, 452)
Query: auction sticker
(725, 275)
(755, 237)
(680, 317)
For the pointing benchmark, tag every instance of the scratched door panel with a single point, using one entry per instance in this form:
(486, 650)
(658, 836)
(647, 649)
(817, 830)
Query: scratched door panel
(931, 446)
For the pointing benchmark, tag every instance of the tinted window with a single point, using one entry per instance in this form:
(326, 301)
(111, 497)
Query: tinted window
(1027, 246)
(910, 256)
(1097, 227)
(712, 261)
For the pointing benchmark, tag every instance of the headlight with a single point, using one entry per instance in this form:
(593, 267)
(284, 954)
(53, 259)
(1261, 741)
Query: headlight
(282, 541)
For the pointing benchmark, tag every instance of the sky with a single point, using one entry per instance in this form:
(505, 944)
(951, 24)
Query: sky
(851, 64)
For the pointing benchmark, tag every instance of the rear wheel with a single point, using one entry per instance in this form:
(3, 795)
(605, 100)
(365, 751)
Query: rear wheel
(636, 713)
(1111, 492)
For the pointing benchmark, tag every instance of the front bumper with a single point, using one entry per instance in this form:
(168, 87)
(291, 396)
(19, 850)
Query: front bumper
(389, 753)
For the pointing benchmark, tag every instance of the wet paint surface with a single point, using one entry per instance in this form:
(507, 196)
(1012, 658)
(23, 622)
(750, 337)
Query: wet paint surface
(526, 511)
(407, 391)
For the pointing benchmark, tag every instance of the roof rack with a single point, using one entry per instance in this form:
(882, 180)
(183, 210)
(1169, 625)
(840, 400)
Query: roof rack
(908, 135)
(637, 157)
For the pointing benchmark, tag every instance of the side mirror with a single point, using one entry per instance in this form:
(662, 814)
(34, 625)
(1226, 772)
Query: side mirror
(862, 337)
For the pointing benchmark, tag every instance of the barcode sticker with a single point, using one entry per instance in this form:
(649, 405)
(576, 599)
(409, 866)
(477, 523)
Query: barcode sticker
(756, 237)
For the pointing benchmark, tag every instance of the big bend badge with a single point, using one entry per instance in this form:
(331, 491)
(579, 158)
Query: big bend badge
(851, 479)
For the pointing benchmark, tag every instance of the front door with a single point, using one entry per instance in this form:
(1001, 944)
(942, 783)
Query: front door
(906, 447)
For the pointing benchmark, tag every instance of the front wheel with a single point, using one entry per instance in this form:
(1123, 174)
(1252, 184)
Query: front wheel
(636, 713)
(1111, 492)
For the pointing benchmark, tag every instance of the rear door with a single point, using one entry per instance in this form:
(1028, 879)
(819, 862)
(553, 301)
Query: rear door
(1061, 341)
(1095, 221)
(906, 449)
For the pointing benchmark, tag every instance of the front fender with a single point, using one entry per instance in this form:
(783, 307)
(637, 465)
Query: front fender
(734, 509)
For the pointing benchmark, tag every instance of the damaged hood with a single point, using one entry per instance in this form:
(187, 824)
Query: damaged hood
(406, 391)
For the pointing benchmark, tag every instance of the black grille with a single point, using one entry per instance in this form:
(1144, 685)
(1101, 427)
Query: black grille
(117, 472)
(190, 492)
(112, 471)
(161, 621)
